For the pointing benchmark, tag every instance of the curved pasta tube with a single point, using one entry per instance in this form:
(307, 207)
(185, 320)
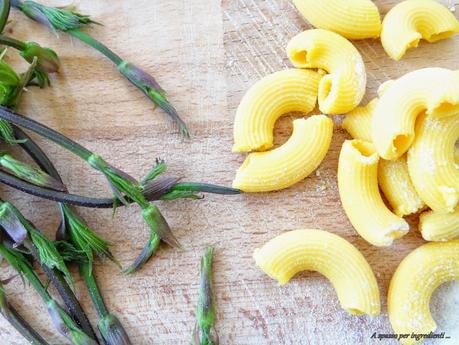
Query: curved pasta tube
(393, 177)
(290, 163)
(342, 89)
(436, 226)
(413, 283)
(334, 257)
(431, 162)
(395, 182)
(412, 20)
(358, 122)
(360, 197)
(267, 100)
(434, 91)
(353, 19)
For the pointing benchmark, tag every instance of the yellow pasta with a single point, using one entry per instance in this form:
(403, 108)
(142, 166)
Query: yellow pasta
(431, 162)
(353, 19)
(413, 283)
(412, 20)
(434, 91)
(395, 182)
(436, 226)
(393, 177)
(329, 254)
(270, 98)
(342, 89)
(358, 122)
(362, 202)
(290, 163)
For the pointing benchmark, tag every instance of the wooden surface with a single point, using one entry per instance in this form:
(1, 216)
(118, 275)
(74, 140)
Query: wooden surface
(206, 53)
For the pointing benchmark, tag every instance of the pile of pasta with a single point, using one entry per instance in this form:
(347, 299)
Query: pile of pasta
(404, 147)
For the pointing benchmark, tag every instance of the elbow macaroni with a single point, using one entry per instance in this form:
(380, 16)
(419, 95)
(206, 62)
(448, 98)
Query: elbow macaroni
(334, 257)
(433, 90)
(431, 162)
(353, 19)
(413, 283)
(342, 89)
(362, 202)
(436, 226)
(393, 176)
(410, 21)
(289, 163)
(270, 98)
(395, 182)
(358, 122)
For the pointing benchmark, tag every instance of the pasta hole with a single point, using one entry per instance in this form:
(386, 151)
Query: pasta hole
(300, 57)
(325, 88)
(445, 108)
(401, 143)
(440, 36)
(366, 149)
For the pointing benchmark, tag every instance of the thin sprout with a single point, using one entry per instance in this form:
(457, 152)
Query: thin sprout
(204, 332)
(61, 320)
(5, 7)
(110, 327)
(60, 19)
(15, 319)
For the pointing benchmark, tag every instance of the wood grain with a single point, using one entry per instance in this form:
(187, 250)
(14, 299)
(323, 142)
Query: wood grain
(206, 54)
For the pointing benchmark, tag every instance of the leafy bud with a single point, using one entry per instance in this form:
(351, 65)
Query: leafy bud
(12, 224)
(112, 331)
(48, 61)
(66, 326)
(62, 19)
(152, 90)
(204, 332)
(28, 173)
(150, 248)
(158, 225)
(120, 182)
(48, 253)
(9, 80)
(84, 238)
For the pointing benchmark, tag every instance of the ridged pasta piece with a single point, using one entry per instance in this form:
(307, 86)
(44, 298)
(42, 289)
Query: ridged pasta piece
(436, 226)
(393, 177)
(353, 19)
(273, 96)
(412, 20)
(434, 91)
(358, 122)
(413, 283)
(360, 197)
(329, 254)
(290, 163)
(431, 162)
(396, 185)
(342, 89)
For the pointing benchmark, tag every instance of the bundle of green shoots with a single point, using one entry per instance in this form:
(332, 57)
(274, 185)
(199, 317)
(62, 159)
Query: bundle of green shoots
(27, 249)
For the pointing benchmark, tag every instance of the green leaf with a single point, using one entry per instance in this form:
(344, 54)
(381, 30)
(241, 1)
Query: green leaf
(86, 239)
(28, 173)
(49, 255)
(48, 61)
(62, 19)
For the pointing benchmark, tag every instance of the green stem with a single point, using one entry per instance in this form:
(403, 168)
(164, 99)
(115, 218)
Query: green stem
(23, 327)
(11, 42)
(4, 13)
(90, 280)
(46, 132)
(99, 46)
(71, 302)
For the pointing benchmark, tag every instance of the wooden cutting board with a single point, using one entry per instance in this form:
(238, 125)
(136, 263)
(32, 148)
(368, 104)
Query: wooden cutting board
(206, 54)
